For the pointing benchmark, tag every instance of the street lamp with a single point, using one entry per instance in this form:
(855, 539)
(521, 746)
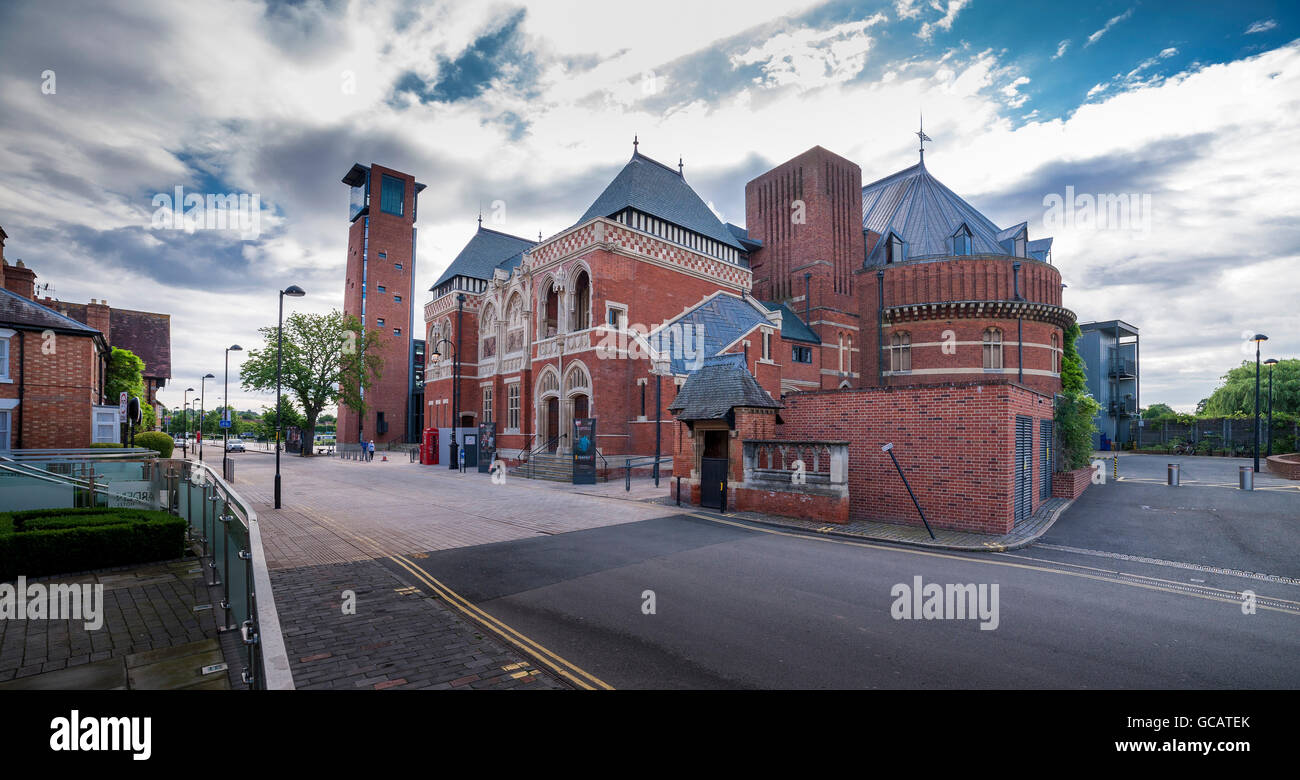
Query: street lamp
(293, 291)
(185, 422)
(1270, 363)
(202, 407)
(225, 439)
(436, 356)
(1257, 339)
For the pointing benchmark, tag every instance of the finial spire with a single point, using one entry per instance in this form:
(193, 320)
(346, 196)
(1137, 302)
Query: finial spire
(679, 165)
(921, 134)
(480, 213)
(635, 143)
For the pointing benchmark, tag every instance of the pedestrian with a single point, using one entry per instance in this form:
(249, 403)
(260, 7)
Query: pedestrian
(370, 454)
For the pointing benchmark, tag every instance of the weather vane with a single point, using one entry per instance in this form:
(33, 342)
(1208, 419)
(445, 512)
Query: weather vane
(921, 135)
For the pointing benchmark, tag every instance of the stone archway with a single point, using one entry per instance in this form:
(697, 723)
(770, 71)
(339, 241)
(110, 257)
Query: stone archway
(576, 399)
(548, 409)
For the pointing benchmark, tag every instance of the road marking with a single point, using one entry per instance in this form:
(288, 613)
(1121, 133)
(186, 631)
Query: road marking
(550, 660)
(1173, 564)
(988, 562)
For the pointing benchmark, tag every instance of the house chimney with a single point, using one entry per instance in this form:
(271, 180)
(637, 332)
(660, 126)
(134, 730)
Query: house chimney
(97, 317)
(21, 280)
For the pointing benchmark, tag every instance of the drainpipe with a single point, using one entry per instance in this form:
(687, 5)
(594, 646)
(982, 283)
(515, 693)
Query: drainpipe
(1020, 328)
(880, 328)
(22, 384)
(807, 299)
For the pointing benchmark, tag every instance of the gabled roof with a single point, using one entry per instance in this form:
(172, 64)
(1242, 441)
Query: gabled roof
(792, 327)
(26, 314)
(147, 334)
(742, 235)
(653, 188)
(706, 329)
(925, 214)
(722, 384)
(487, 250)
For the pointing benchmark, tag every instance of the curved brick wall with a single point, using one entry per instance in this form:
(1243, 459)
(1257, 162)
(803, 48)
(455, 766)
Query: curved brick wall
(1285, 466)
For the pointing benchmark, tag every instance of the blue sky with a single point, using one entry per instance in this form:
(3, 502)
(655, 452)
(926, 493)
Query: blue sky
(1190, 106)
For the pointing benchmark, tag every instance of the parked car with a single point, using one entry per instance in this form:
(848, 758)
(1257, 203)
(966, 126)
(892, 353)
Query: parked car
(235, 445)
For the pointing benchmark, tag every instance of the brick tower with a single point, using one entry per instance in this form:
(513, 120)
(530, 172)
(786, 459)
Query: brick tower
(379, 290)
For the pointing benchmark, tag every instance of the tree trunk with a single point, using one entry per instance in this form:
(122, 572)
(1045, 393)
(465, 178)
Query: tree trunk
(309, 435)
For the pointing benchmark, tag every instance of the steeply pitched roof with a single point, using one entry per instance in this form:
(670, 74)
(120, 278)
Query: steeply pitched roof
(486, 251)
(19, 312)
(722, 384)
(654, 188)
(925, 214)
(146, 334)
(792, 327)
(706, 329)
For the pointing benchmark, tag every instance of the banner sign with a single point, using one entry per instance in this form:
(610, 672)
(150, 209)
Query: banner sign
(487, 446)
(584, 451)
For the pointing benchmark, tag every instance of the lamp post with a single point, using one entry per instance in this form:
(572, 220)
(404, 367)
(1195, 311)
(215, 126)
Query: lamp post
(1270, 363)
(1257, 339)
(225, 439)
(436, 356)
(202, 408)
(293, 291)
(185, 422)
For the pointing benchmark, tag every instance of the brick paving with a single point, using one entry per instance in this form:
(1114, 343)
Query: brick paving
(148, 610)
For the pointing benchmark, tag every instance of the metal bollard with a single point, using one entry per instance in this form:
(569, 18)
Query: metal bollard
(1115, 461)
(1246, 477)
(1174, 476)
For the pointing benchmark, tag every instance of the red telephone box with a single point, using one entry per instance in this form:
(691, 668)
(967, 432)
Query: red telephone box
(429, 447)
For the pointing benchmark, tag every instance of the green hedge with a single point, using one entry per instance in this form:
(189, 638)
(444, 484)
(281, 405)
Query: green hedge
(56, 541)
(157, 441)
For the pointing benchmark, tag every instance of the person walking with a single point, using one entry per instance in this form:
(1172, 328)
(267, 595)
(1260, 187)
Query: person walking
(370, 452)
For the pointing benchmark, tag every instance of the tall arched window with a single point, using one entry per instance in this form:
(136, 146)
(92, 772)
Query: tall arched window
(841, 368)
(992, 348)
(548, 314)
(515, 324)
(848, 355)
(900, 352)
(487, 332)
(582, 302)
(1056, 354)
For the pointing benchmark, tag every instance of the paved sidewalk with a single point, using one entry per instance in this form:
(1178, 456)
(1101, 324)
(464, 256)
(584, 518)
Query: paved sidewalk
(1023, 535)
(151, 637)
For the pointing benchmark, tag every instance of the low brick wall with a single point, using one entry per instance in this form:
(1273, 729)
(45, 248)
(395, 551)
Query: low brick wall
(805, 505)
(1071, 484)
(1285, 466)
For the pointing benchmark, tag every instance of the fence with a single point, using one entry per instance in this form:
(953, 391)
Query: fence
(1233, 435)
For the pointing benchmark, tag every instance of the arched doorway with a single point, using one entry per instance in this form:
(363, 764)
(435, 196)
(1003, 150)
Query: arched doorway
(549, 428)
(577, 398)
(552, 424)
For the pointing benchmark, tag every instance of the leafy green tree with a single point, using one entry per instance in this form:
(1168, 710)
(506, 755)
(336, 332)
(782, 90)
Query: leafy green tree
(1236, 396)
(266, 424)
(328, 359)
(125, 373)
(1158, 412)
(1075, 409)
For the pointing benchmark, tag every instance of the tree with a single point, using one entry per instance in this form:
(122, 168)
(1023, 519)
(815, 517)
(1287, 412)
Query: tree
(1073, 378)
(1158, 412)
(328, 359)
(125, 373)
(266, 424)
(1236, 396)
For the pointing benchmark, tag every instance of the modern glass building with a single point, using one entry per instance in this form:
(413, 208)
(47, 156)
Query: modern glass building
(1110, 354)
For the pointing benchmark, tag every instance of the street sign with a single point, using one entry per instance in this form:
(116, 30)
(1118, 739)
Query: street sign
(225, 423)
(121, 406)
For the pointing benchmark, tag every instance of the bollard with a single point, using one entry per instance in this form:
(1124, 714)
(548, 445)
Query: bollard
(1115, 460)
(1246, 477)
(1174, 475)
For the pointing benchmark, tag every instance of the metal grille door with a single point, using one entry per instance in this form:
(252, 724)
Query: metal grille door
(1024, 480)
(1045, 459)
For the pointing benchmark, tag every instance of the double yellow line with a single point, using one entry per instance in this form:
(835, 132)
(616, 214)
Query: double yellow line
(569, 671)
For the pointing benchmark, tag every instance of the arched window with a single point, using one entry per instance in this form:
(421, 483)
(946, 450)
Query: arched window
(848, 355)
(582, 302)
(841, 368)
(548, 312)
(1056, 354)
(992, 348)
(487, 332)
(894, 249)
(514, 324)
(900, 352)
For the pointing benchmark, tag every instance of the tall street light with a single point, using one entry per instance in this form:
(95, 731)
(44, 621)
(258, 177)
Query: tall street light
(225, 439)
(185, 422)
(293, 291)
(1270, 363)
(436, 356)
(1257, 339)
(202, 408)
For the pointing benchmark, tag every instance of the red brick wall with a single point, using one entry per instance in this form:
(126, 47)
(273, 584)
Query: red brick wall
(391, 235)
(956, 443)
(59, 390)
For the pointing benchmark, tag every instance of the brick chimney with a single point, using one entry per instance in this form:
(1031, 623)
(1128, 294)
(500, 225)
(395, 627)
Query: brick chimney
(20, 280)
(4, 264)
(97, 317)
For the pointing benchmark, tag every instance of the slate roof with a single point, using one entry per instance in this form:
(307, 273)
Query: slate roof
(486, 251)
(925, 214)
(706, 329)
(147, 334)
(653, 188)
(721, 384)
(742, 235)
(792, 327)
(25, 314)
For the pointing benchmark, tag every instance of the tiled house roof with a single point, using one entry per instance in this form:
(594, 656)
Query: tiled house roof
(722, 384)
(486, 251)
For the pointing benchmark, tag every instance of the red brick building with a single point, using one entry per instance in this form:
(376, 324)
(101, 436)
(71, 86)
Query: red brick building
(52, 371)
(894, 312)
(379, 290)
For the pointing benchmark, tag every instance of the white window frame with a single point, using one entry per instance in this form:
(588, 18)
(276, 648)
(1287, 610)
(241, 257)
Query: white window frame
(7, 430)
(514, 401)
(6, 353)
(104, 415)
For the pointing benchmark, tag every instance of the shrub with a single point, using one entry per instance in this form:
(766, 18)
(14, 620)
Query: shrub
(157, 441)
(1074, 425)
(56, 541)
(105, 445)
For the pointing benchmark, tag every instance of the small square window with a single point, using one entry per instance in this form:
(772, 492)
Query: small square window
(399, 266)
(397, 298)
(397, 331)
(381, 288)
(380, 321)
(383, 255)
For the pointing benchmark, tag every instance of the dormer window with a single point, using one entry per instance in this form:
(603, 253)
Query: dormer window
(894, 249)
(961, 241)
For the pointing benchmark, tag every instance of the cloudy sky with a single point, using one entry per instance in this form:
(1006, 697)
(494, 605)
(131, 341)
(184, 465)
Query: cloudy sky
(1188, 108)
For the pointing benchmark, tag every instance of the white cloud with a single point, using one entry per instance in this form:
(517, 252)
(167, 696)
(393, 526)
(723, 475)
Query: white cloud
(1060, 49)
(1263, 25)
(1114, 20)
(945, 22)
(812, 58)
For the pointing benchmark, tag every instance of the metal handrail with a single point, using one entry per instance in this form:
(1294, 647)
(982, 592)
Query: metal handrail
(66, 479)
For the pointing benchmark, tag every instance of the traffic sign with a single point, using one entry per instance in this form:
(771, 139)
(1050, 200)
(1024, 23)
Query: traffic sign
(121, 406)
(225, 423)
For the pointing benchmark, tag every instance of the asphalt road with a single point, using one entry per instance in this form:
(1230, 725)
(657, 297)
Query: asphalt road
(739, 606)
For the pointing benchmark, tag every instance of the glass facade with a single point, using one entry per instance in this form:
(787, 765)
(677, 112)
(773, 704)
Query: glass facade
(392, 195)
